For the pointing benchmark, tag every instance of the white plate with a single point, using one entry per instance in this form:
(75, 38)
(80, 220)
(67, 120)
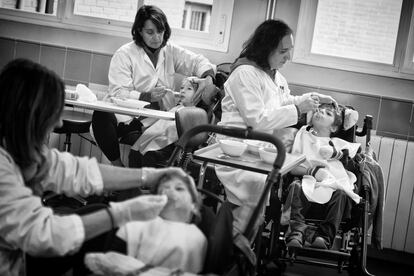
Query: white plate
(130, 103)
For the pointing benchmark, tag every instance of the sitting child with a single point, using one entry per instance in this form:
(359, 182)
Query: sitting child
(163, 133)
(170, 240)
(325, 179)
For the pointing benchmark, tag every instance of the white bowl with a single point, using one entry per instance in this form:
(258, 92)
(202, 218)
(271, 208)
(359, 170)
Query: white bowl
(254, 145)
(268, 154)
(130, 103)
(232, 147)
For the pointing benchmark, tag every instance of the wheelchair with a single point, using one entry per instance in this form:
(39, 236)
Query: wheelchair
(349, 249)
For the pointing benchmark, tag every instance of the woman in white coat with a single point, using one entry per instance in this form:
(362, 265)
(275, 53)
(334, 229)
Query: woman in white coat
(258, 96)
(144, 69)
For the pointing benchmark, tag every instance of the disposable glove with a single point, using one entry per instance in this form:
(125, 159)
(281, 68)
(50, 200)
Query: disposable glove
(145, 207)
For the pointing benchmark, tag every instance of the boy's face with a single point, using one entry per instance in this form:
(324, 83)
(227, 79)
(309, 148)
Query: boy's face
(179, 197)
(324, 118)
(186, 93)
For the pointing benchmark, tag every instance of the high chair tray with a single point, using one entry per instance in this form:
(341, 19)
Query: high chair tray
(247, 161)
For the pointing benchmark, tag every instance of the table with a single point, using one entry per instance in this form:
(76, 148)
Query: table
(111, 107)
(253, 163)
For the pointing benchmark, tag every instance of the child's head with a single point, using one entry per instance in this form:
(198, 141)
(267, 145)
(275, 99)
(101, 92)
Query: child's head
(183, 198)
(326, 119)
(187, 90)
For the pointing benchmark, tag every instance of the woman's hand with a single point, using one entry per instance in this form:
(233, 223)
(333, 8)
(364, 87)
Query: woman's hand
(206, 90)
(145, 207)
(309, 103)
(157, 93)
(324, 98)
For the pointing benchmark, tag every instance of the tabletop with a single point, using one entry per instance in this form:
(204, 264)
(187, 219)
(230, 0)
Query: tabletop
(247, 161)
(111, 107)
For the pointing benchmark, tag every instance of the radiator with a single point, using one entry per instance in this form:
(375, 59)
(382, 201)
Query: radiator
(396, 158)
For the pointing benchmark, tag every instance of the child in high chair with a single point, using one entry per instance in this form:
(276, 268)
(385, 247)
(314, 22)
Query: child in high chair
(163, 132)
(171, 240)
(325, 179)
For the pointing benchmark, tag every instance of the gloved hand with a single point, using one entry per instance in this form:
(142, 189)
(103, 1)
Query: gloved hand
(330, 152)
(151, 176)
(144, 207)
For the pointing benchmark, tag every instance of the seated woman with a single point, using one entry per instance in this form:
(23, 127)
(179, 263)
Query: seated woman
(170, 240)
(144, 69)
(325, 179)
(157, 140)
(31, 102)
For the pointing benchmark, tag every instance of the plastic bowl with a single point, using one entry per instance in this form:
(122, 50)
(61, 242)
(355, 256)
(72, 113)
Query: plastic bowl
(232, 147)
(253, 146)
(268, 155)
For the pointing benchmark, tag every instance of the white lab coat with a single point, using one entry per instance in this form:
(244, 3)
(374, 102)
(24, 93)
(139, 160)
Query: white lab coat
(26, 225)
(132, 72)
(252, 98)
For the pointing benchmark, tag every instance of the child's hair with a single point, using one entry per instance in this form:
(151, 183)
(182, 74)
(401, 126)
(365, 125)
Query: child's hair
(191, 81)
(31, 102)
(195, 196)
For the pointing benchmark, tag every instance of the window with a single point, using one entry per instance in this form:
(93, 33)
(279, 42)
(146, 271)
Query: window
(370, 36)
(196, 23)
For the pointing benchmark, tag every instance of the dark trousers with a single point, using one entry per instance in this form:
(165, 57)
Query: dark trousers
(156, 159)
(107, 132)
(331, 213)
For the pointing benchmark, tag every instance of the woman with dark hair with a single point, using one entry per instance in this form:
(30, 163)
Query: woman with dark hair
(31, 103)
(258, 96)
(145, 69)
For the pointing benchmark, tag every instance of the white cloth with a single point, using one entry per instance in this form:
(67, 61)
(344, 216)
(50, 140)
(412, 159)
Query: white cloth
(308, 144)
(159, 135)
(131, 70)
(252, 98)
(26, 225)
(85, 94)
(170, 244)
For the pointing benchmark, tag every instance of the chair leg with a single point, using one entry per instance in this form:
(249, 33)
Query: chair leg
(67, 142)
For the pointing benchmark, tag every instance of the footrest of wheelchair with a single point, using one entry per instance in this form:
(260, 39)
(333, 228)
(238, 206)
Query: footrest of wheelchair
(322, 253)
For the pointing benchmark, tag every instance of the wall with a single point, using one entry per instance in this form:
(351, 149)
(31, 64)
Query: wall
(389, 100)
(81, 57)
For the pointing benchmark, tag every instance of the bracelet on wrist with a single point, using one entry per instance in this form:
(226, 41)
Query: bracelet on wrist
(111, 217)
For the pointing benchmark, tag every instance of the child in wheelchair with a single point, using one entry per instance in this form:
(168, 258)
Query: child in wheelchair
(157, 141)
(324, 177)
(171, 240)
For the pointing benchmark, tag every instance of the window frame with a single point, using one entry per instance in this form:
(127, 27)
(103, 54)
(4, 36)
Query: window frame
(401, 67)
(216, 39)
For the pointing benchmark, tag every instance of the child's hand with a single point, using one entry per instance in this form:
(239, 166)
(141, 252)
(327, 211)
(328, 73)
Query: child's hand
(330, 152)
(322, 174)
(326, 152)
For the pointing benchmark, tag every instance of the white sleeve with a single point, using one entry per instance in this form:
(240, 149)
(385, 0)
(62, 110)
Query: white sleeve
(28, 225)
(188, 63)
(120, 76)
(246, 92)
(73, 175)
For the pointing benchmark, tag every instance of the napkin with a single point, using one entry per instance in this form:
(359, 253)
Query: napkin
(85, 94)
